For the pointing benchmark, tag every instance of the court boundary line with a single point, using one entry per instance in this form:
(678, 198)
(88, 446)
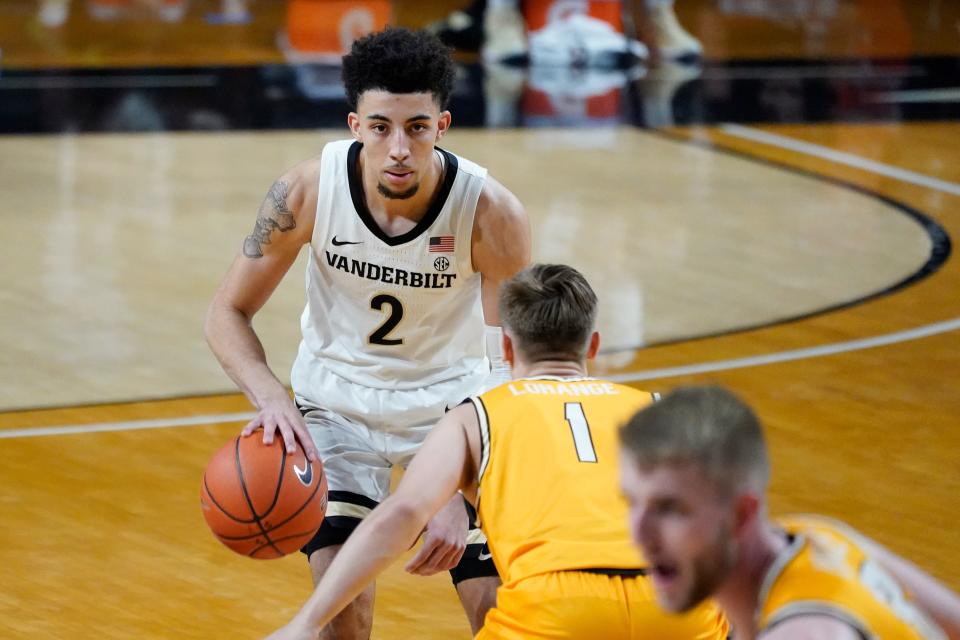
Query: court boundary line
(835, 348)
(804, 353)
(127, 425)
(839, 157)
(227, 394)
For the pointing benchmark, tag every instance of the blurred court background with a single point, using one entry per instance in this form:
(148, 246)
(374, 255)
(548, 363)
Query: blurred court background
(776, 217)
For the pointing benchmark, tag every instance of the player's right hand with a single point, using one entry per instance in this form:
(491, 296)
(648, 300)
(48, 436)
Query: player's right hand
(283, 416)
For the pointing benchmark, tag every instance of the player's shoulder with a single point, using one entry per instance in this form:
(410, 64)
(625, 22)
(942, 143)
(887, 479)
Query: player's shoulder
(465, 412)
(298, 187)
(499, 203)
(501, 232)
(341, 144)
(331, 161)
(502, 390)
(339, 148)
(304, 172)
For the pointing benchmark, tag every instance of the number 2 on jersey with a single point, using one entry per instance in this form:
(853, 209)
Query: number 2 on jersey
(582, 439)
(396, 315)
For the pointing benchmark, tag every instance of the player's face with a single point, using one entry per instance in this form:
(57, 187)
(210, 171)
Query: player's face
(684, 528)
(398, 132)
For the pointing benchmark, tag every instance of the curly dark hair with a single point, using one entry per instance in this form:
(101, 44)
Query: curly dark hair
(399, 61)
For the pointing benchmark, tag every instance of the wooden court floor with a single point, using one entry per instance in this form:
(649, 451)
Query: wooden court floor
(758, 257)
(102, 529)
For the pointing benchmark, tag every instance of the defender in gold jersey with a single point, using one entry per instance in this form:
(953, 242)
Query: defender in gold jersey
(554, 521)
(538, 456)
(694, 469)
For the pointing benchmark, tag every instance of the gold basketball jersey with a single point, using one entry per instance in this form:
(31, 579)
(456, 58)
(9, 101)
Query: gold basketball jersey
(825, 572)
(549, 497)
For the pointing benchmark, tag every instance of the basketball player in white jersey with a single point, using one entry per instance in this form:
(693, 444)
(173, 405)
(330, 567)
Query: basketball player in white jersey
(408, 245)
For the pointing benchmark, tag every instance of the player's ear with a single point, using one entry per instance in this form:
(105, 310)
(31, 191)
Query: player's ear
(746, 511)
(443, 123)
(353, 121)
(508, 354)
(594, 347)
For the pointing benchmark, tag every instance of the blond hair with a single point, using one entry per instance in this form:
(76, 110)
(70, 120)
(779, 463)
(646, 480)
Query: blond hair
(549, 310)
(708, 426)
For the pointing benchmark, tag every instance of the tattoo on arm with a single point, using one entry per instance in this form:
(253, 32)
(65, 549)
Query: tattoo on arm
(273, 214)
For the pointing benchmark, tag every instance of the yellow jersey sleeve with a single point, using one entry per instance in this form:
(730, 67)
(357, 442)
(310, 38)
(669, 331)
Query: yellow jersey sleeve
(824, 572)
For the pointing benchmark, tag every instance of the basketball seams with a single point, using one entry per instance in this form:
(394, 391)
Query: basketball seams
(299, 510)
(307, 535)
(246, 494)
(283, 467)
(219, 506)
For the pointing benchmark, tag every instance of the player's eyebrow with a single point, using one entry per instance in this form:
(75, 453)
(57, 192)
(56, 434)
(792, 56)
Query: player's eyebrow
(377, 116)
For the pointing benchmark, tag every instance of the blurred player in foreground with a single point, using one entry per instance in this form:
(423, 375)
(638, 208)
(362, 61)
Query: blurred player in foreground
(694, 469)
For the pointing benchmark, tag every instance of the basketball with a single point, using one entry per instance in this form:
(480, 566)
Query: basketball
(261, 502)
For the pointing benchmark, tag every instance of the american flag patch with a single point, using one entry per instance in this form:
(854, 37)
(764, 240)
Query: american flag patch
(441, 244)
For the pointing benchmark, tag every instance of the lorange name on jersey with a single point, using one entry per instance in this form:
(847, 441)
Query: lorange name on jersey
(586, 388)
(390, 275)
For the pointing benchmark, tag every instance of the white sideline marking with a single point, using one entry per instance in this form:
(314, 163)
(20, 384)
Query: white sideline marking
(160, 423)
(796, 354)
(840, 157)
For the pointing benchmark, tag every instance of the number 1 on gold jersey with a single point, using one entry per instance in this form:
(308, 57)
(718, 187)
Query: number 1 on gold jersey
(582, 439)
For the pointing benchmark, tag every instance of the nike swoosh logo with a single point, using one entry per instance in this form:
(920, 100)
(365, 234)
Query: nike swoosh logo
(340, 243)
(484, 556)
(305, 475)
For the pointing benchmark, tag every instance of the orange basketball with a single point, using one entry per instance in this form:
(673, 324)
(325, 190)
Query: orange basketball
(261, 502)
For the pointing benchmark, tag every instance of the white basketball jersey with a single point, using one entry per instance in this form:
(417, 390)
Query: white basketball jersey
(387, 312)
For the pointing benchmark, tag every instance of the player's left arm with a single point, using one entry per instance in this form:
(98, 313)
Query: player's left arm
(501, 247)
(443, 465)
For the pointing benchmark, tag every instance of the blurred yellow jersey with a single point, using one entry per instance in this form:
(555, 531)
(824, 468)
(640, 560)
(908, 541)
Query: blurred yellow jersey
(549, 497)
(825, 572)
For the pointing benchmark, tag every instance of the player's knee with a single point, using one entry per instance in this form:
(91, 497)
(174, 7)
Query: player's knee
(353, 623)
